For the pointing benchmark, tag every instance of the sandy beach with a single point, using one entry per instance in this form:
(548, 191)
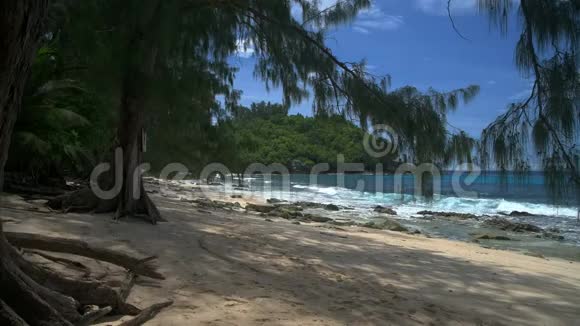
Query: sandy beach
(229, 267)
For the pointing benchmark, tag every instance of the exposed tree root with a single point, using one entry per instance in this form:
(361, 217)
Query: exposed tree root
(127, 285)
(92, 315)
(139, 266)
(149, 207)
(26, 298)
(65, 262)
(147, 314)
(9, 317)
(34, 295)
(84, 200)
(86, 292)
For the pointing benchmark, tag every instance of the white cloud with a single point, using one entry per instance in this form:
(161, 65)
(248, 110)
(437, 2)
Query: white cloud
(361, 30)
(439, 7)
(374, 18)
(245, 49)
(458, 7)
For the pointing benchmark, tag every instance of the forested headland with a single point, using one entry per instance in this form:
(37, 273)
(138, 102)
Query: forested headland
(265, 133)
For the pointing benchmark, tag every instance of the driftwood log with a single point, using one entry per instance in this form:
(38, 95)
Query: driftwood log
(64, 300)
(139, 266)
(147, 314)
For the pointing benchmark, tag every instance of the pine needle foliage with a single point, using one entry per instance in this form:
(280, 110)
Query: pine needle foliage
(189, 45)
(545, 125)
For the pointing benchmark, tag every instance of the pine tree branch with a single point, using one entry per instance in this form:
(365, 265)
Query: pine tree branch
(306, 35)
(537, 71)
(453, 21)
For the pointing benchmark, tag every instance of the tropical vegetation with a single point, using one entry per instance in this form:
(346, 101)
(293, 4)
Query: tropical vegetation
(81, 78)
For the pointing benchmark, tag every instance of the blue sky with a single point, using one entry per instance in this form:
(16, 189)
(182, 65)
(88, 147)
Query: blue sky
(413, 41)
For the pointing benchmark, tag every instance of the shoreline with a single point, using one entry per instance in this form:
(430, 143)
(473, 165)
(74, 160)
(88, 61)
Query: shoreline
(548, 241)
(227, 267)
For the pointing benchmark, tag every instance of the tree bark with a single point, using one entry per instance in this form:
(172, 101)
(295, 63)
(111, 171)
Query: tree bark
(21, 26)
(19, 292)
(137, 265)
(147, 314)
(132, 199)
(28, 294)
(20, 30)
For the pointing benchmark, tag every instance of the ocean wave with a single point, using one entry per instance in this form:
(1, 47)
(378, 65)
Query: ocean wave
(409, 206)
(322, 190)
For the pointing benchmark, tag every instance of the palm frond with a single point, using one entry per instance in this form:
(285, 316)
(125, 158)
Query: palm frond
(65, 118)
(30, 142)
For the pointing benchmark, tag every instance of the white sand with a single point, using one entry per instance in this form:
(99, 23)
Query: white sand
(232, 268)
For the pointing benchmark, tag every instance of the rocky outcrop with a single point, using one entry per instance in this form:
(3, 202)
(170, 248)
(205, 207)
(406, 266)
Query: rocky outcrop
(213, 204)
(260, 208)
(387, 224)
(505, 225)
(517, 227)
(307, 204)
(287, 212)
(551, 236)
(343, 222)
(275, 201)
(293, 212)
(315, 218)
(449, 215)
(518, 214)
(492, 237)
(385, 210)
(331, 207)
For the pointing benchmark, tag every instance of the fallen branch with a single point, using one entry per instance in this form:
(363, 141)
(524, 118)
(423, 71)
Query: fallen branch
(93, 315)
(136, 265)
(147, 314)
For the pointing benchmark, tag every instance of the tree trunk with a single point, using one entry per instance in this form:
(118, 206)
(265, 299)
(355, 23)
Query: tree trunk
(132, 199)
(23, 301)
(20, 30)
